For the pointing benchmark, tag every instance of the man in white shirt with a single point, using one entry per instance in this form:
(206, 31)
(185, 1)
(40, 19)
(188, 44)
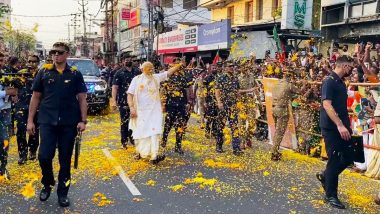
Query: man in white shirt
(146, 111)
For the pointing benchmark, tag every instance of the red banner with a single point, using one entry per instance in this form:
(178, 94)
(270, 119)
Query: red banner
(125, 14)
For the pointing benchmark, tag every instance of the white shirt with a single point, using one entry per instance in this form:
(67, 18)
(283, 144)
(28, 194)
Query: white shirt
(4, 99)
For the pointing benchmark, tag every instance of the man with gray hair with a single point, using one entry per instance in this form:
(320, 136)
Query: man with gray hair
(146, 112)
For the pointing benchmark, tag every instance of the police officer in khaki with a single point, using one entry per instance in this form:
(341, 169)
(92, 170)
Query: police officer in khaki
(282, 95)
(246, 107)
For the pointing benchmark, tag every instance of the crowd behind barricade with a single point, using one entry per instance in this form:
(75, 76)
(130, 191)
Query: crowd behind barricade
(302, 67)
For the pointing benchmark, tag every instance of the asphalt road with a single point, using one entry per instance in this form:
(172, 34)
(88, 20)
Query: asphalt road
(198, 182)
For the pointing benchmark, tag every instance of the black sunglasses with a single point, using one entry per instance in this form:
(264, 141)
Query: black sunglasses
(30, 61)
(54, 52)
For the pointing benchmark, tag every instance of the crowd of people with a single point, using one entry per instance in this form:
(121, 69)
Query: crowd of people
(228, 95)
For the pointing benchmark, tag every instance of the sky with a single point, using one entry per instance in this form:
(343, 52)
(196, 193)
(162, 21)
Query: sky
(51, 29)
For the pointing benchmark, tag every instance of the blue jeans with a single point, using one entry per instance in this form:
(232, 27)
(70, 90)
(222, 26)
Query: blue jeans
(5, 122)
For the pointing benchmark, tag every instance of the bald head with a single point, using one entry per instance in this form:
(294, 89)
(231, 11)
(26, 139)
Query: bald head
(147, 67)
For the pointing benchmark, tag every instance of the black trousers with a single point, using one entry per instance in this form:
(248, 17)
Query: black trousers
(336, 164)
(125, 132)
(21, 117)
(52, 137)
(177, 118)
(211, 115)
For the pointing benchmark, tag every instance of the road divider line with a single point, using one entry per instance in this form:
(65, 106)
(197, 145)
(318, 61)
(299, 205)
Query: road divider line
(132, 188)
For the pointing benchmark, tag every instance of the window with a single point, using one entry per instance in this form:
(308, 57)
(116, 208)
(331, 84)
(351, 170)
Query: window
(167, 3)
(363, 9)
(259, 9)
(333, 14)
(249, 11)
(230, 14)
(189, 4)
(276, 4)
(356, 10)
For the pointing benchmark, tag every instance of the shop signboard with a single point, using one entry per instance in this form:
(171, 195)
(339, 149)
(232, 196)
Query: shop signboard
(134, 18)
(125, 14)
(214, 36)
(297, 14)
(178, 41)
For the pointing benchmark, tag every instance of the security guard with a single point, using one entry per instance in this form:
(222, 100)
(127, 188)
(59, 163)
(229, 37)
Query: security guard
(60, 93)
(21, 112)
(227, 90)
(211, 109)
(177, 107)
(283, 93)
(246, 106)
(335, 127)
(308, 111)
(120, 85)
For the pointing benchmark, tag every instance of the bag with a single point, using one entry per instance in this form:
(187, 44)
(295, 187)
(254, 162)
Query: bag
(354, 152)
(358, 149)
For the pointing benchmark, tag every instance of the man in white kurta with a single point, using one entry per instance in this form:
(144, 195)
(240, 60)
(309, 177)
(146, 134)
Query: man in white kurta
(146, 111)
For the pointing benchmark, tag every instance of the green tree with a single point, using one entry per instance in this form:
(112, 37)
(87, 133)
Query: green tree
(19, 41)
(4, 9)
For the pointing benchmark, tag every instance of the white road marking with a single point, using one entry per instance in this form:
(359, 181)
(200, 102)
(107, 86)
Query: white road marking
(132, 188)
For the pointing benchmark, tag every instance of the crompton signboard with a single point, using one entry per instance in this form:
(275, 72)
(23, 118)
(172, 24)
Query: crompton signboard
(178, 41)
(297, 14)
(214, 36)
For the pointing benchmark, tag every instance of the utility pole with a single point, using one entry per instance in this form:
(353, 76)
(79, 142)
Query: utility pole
(106, 36)
(90, 23)
(75, 25)
(150, 30)
(68, 32)
(83, 4)
(112, 42)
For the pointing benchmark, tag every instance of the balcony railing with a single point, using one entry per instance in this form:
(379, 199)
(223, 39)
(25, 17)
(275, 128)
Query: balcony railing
(214, 3)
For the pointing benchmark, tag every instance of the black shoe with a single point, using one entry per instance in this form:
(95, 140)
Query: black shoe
(335, 202)
(276, 157)
(163, 144)
(137, 157)
(63, 201)
(21, 161)
(4, 172)
(124, 145)
(179, 150)
(219, 150)
(321, 178)
(45, 193)
(32, 156)
(158, 159)
(132, 142)
(237, 152)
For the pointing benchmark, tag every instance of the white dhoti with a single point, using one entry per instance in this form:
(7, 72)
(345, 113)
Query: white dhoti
(147, 127)
(148, 146)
